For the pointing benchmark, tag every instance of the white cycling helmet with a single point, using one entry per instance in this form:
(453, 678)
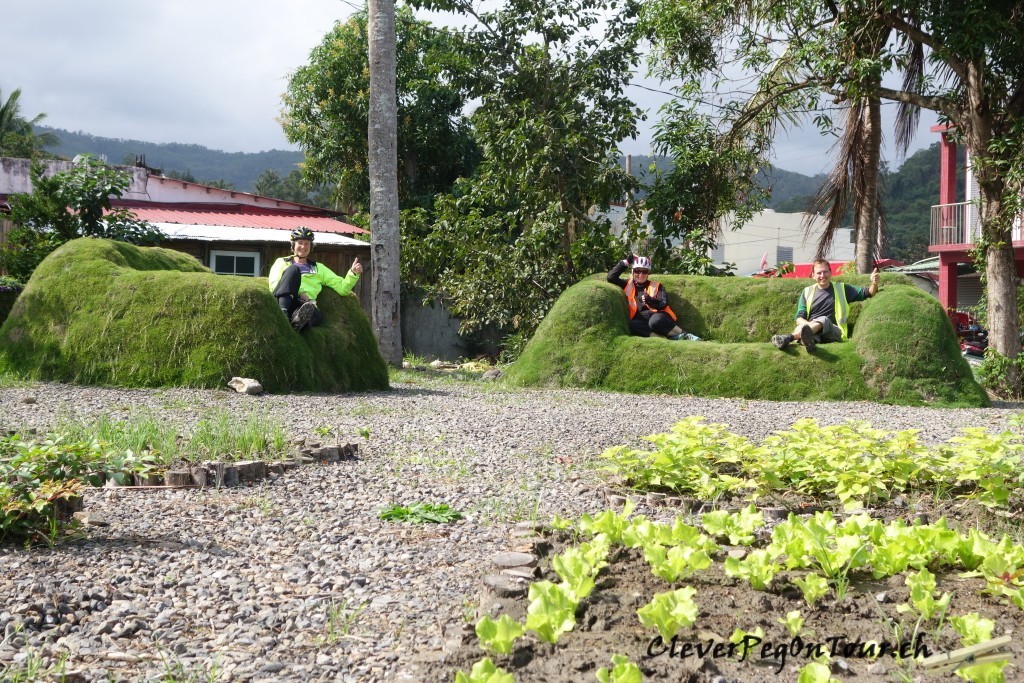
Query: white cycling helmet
(642, 263)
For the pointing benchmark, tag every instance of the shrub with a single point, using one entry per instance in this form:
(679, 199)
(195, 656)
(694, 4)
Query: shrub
(40, 483)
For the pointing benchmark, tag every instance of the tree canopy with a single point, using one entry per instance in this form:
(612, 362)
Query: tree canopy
(326, 110)
(17, 135)
(63, 206)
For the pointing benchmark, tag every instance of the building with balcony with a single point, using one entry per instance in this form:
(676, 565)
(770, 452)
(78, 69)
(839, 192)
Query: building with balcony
(955, 225)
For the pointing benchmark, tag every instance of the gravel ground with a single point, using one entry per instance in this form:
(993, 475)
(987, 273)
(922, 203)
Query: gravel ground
(297, 579)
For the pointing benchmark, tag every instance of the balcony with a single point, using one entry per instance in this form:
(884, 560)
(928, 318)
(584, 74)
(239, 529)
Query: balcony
(960, 225)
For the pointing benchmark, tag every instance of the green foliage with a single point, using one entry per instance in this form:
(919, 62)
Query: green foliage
(994, 371)
(484, 671)
(510, 238)
(18, 137)
(420, 513)
(850, 463)
(793, 621)
(291, 188)
(813, 587)
(499, 636)
(219, 435)
(69, 204)
(737, 526)
(110, 313)
(816, 672)
(922, 596)
(902, 348)
(622, 671)
(552, 610)
(327, 101)
(40, 480)
(669, 612)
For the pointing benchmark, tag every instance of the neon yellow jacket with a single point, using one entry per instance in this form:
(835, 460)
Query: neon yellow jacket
(313, 282)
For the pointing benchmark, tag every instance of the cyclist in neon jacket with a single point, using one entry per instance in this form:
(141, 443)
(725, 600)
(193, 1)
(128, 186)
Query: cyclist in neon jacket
(297, 280)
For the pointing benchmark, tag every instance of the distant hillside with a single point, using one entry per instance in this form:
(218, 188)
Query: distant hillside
(238, 168)
(910, 191)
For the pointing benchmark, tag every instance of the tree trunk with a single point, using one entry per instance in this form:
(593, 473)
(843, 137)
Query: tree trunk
(1001, 294)
(383, 166)
(867, 216)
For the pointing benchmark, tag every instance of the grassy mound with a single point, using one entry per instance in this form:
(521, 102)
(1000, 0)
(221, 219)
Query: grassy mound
(110, 313)
(902, 347)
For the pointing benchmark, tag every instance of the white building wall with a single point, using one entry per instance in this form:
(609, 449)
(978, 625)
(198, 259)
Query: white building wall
(15, 179)
(775, 234)
(771, 232)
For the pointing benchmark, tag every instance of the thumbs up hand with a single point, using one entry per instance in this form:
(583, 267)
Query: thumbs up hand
(357, 267)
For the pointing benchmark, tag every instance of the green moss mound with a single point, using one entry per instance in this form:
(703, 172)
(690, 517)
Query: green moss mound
(902, 349)
(110, 313)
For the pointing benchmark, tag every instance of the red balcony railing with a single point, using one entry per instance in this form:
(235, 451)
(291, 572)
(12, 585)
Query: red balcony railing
(960, 224)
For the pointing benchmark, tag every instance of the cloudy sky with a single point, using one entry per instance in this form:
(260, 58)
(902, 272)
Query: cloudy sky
(209, 72)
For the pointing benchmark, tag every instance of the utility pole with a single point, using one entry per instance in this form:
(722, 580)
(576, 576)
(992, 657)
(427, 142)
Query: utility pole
(382, 137)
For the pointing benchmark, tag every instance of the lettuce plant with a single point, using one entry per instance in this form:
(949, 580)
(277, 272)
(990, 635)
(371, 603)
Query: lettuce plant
(737, 526)
(552, 610)
(669, 612)
(484, 671)
(757, 568)
(793, 621)
(974, 629)
(499, 636)
(813, 587)
(922, 596)
(622, 671)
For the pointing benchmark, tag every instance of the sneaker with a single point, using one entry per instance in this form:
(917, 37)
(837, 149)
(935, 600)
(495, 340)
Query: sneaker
(676, 337)
(303, 314)
(780, 341)
(807, 338)
(691, 337)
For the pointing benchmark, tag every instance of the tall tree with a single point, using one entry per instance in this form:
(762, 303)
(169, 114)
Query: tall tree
(382, 140)
(17, 137)
(976, 55)
(552, 111)
(327, 103)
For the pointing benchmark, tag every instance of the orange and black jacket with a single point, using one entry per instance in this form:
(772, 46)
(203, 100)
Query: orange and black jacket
(655, 295)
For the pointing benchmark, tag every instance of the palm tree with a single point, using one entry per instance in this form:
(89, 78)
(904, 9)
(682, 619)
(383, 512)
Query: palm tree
(17, 136)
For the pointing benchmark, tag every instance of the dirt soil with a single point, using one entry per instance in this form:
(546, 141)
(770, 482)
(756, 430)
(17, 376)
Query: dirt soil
(607, 623)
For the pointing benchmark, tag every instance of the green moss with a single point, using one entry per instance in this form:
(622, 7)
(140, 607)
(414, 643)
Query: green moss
(902, 348)
(110, 313)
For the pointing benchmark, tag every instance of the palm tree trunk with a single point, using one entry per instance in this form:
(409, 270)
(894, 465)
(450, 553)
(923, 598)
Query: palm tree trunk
(866, 205)
(383, 166)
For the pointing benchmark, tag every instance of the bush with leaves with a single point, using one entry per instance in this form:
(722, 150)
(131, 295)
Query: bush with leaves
(508, 240)
(69, 204)
(40, 481)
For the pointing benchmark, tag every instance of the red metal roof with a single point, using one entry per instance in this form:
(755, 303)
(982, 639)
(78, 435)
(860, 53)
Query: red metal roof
(261, 218)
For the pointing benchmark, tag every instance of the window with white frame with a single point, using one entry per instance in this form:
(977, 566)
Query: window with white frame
(235, 262)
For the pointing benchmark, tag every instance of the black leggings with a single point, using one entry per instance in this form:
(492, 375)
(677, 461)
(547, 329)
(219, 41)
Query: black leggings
(643, 325)
(287, 293)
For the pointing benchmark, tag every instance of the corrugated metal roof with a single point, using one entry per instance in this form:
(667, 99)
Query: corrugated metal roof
(284, 221)
(225, 233)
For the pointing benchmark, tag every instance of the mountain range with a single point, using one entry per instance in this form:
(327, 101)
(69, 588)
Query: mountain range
(910, 191)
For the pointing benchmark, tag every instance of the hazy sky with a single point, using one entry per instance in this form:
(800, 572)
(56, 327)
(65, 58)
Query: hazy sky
(209, 72)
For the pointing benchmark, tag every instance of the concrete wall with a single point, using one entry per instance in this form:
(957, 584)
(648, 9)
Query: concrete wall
(430, 331)
(15, 178)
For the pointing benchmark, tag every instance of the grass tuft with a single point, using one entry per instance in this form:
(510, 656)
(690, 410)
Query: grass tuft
(109, 313)
(902, 349)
